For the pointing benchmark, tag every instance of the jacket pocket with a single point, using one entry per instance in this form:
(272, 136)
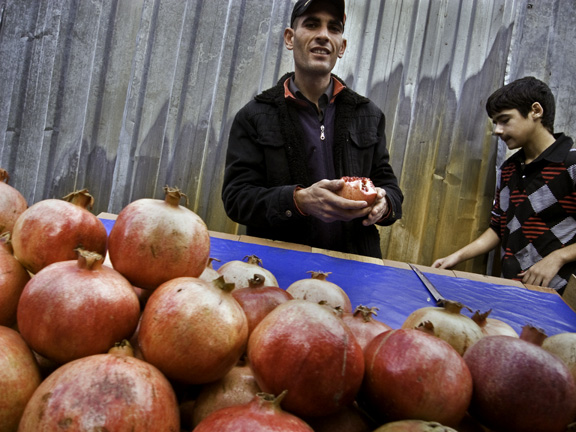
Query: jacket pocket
(362, 139)
(275, 159)
(362, 144)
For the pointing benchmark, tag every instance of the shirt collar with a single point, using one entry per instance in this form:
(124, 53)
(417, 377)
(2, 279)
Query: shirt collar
(292, 92)
(558, 150)
(555, 153)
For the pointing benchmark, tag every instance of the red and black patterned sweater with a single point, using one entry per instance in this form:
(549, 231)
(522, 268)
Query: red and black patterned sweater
(534, 211)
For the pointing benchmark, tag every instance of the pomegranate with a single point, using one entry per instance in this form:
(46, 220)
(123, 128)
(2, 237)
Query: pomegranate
(414, 426)
(563, 345)
(19, 378)
(12, 203)
(349, 419)
(103, 392)
(262, 414)
(209, 273)
(519, 386)
(45, 365)
(192, 330)
(153, 241)
(134, 341)
(470, 424)
(13, 279)
(533, 334)
(237, 387)
(411, 374)
(449, 324)
(51, 230)
(305, 348)
(240, 272)
(258, 299)
(317, 289)
(358, 189)
(492, 326)
(73, 309)
(143, 296)
(363, 324)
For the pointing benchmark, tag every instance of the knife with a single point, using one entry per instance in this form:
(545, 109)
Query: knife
(431, 288)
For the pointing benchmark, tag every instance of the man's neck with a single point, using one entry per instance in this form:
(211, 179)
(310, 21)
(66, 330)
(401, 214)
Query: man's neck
(312, 87)
(538, 145)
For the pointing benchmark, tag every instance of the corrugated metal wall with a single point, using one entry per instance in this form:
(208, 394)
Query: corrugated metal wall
(125, 96)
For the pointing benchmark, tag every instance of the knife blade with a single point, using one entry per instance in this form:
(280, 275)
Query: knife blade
(429, 286)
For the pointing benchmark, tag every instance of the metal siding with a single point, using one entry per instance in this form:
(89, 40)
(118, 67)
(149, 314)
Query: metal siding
(124, 97)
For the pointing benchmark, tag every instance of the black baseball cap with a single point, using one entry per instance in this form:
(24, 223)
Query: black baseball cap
(302, 5)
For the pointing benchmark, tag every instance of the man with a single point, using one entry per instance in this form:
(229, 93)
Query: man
(533, 218)
(289, 147)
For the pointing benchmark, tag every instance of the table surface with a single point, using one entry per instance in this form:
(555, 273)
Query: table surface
(394, 288)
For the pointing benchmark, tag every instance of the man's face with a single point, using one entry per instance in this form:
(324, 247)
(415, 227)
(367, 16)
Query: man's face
(514, 129)
(316, 40)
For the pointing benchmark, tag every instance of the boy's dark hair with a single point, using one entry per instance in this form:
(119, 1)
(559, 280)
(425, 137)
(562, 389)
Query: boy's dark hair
(520, 95)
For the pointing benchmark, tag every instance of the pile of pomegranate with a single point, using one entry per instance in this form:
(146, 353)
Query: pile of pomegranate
(156, 339)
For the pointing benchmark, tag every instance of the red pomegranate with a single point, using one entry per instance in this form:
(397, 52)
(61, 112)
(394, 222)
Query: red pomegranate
(13, 279)
(51, 230)
(153, 241)
(411, 374)
(259, 299)
(237, 387)
(317, 289)
(358, 189)
(262, 414)
(349, 419)
(192, 330)
(363, 324)
(305, 348)
(103, 392)
(19, 378)
(73, 309)
(12, 203)
(519, 386)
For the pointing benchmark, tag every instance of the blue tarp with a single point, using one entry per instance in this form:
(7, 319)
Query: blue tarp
(397, 292)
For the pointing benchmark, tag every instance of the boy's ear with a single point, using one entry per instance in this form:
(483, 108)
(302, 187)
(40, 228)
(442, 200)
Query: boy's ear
(537, 110)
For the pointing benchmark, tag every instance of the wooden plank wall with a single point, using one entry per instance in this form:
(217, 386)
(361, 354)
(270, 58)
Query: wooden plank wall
(125, 96)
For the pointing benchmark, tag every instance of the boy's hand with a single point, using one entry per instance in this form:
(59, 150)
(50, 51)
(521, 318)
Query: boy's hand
(446, 262)
(542, 273)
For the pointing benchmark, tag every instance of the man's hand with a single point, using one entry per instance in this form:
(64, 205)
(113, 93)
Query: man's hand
(321, 201)
(380, 208)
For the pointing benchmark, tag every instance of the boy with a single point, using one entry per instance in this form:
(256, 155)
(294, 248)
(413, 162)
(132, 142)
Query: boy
(533, 217)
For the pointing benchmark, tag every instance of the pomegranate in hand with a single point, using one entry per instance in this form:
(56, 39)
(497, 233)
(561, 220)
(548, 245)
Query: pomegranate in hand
(358, 189)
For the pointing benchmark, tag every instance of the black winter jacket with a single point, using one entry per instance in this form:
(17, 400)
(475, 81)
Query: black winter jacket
(265, 163)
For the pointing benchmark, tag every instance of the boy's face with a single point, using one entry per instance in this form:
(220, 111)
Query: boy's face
(514, 129)
(316, 40)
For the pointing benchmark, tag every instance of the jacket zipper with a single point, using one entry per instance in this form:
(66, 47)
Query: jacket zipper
(322, 136)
